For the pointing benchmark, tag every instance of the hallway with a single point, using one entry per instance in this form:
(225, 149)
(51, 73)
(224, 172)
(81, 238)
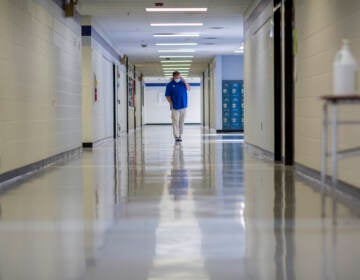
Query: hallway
(206, 209)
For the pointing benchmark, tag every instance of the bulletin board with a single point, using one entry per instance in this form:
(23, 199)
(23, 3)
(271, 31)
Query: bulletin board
(233, 105)
(131, 92)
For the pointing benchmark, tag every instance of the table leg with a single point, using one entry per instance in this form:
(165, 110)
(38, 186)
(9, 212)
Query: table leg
(324, 143)
(334, 137)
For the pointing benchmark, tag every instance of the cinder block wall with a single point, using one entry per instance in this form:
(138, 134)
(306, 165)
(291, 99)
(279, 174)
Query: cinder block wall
(321, 25)
(40, 82)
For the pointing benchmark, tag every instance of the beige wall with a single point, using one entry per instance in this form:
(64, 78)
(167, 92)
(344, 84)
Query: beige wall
(321, 24)
(87, 94)
(40, 81)
(259, 83)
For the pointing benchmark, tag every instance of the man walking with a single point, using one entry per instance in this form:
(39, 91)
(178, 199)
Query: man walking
(176, 95)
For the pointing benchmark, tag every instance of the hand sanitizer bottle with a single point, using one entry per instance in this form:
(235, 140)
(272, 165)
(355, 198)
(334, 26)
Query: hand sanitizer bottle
(345, 71)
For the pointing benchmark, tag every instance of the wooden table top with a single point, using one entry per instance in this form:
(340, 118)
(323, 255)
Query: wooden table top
(340, 98)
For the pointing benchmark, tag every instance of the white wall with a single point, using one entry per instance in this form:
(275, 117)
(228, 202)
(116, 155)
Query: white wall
(40, 81)
(156, 107)
(259, 83)
(103, 111)
(98, 117)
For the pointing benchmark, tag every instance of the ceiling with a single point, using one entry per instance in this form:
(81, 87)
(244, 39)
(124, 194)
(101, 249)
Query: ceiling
(127, 24)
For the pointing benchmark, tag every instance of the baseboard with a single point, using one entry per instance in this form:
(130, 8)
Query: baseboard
(344, 192)
(150, 124)
(95, 143)
(315, 175)
(256, 149)
(87, 144)
(229, 131)
(30, 169)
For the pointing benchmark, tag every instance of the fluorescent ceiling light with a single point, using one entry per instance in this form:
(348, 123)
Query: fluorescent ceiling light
(175, 10)
(171, 71)
(176, 61)
(176, 56)
(176, 24)
(177, 51)
(239, 51)
(177, 35)
(178, 68)
(176, 65)
(176, 44)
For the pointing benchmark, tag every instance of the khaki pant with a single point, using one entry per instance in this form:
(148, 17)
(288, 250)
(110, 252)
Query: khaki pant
(178, 118)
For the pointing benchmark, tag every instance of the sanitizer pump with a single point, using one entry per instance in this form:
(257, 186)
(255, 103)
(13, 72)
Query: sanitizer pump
(345, 71)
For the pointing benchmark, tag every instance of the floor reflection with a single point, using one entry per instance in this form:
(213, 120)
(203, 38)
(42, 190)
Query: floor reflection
(144, 208)
(179, 180)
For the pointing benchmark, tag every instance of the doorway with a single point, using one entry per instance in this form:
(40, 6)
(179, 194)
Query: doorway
(284, 112)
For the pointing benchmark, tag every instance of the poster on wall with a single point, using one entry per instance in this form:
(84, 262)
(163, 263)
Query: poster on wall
(233, 107)
(131, 92)
(96, 93)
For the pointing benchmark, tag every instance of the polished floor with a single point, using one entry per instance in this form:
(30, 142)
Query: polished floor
(146, 208)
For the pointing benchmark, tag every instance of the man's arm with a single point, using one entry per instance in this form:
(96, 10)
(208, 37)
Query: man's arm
(188, 87)
(168, 96)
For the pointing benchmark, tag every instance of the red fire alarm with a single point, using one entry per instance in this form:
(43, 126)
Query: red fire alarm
(159, 4)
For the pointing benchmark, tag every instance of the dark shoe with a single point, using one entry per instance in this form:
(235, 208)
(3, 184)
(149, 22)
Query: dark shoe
(178, 139)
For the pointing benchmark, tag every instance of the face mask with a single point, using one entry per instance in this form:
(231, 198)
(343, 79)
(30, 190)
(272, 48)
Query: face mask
(177, 80)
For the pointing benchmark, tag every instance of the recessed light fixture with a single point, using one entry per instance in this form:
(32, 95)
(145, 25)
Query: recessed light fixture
(175, 24)
(176, 10)
(176, 44)
(241, 49)
(169, 35)
(177, 51)
(176, 56)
